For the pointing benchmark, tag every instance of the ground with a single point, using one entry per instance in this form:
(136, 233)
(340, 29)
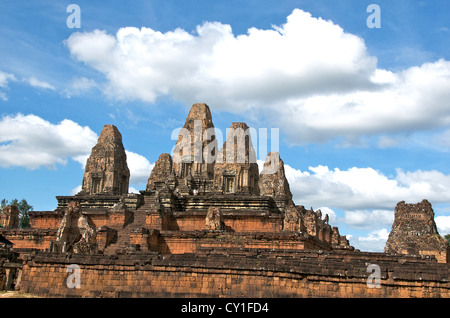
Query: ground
(16, 294)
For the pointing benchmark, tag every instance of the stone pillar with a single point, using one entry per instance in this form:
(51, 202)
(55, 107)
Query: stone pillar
(9, 218)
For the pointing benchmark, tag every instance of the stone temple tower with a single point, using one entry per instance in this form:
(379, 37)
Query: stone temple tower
(106, 169)
(236, 169)
(194, 152)
(414, 232)
(191, 156)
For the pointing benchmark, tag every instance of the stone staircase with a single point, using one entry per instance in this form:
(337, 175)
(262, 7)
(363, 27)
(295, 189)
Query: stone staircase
(123, 241)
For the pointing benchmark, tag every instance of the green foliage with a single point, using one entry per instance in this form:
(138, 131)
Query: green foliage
(447, 237)
(24, 209)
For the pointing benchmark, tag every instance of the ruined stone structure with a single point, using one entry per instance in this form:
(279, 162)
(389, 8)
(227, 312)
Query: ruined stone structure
(76, 232)
(272, 181)
(195, 136)
(161, 173)
(414, 232)
(207, 224)
(106, 170)
(9, 217)
(236, 170)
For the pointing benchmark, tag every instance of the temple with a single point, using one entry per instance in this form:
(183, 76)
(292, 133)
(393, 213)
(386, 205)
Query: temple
(414, 232)
(202, 198)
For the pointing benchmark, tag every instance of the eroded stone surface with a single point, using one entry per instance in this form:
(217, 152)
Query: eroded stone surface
(272, 179)
(214, 220)
(106, 170)
(76, 232)
(161, 171)
(236, 170)
(192, 153)
(414, 232)
(9, 218)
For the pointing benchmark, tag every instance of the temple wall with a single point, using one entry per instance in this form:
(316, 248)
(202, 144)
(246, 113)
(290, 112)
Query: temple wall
(118, 219)
(441, 256)
(232, 275)
(235, 223)
(52, 219)
(30, 238)
(169, 242)
(45, 219)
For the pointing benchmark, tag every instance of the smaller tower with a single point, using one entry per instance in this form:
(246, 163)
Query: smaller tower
(414, 232)
(106, 169)
(236, 169)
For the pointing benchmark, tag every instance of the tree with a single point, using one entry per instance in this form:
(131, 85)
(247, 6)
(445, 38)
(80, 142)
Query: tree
(24, 209)
(447, 237)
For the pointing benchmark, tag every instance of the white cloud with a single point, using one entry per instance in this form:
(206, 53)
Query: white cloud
(317, 81)
(367, 198)
(79, 86)
(227, 71)
(443, 224)
(369, 219)
(418, 100)
(140, 168)
(376, 235)
(75, 190)
(375, 241)
(30, 141)
(5, 78)
(133, 190)
(38, 83)
(365, 188)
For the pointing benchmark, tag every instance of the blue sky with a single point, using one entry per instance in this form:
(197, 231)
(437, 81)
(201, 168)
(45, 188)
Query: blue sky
(363, 113)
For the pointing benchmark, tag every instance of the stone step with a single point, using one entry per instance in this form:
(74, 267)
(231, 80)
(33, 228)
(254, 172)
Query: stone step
(124, 233)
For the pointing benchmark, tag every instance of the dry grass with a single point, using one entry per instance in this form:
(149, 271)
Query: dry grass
(16, 294)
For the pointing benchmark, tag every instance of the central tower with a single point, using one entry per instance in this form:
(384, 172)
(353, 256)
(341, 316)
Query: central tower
(195, 150)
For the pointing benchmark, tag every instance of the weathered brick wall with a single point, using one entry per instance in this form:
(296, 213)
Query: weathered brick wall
(235, 273)
(110, 219)
(45, 219)
(30, 238)
(52, 219)
(236, 223)
(171, 242)
(441, 256)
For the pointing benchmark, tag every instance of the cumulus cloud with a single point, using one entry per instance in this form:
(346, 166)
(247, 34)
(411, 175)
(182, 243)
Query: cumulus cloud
(443, 224)
(303, 56)
(366, 198)
(140, 168)
(309, 75)
(375, 241)
(32, 142)
(368, 219)
(365, 188)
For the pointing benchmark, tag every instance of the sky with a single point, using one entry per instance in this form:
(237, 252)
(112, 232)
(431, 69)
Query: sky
(360, 96)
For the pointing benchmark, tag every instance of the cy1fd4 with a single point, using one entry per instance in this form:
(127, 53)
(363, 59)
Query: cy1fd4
(246, 307)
